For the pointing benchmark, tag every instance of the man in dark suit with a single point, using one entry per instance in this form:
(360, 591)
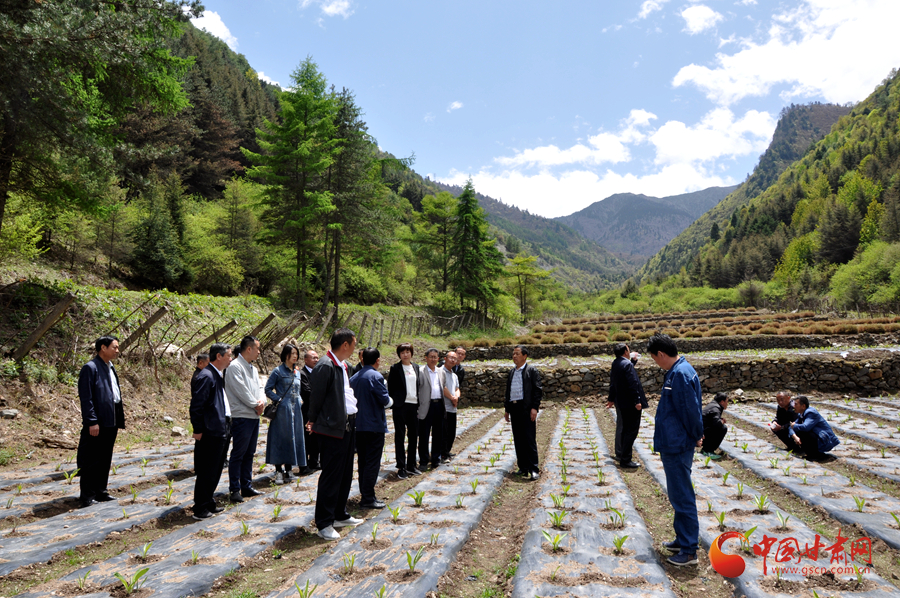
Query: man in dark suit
(523, 401)
(310, 359)
(714, 428)
(371, 424)
(332, 415)
(211, 419)
(626, 394)
(102, 414)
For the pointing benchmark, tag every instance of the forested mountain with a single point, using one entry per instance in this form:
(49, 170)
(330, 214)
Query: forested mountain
(578, 262)
(798, 128)
(637, 226)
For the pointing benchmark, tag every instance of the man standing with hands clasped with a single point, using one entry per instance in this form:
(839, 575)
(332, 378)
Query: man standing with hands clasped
(332, 416)
(523, 401)
(102, 414)
(626, 394)
(245, 399)
(678, 430)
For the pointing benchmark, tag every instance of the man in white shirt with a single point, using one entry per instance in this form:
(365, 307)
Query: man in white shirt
(451, 400)
(246, 402)
(431, 411)
(332, 416)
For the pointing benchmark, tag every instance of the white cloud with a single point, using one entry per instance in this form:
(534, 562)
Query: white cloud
(829, 48)
(554, 195)
(262, 77)
(717, 135)
(454, 106)
(212, 23)
(429, 117)
(747, 2)
(331, 8)
(699, 18)
(650, 6)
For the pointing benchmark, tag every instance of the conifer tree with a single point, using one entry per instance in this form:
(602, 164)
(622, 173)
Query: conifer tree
(476, 261)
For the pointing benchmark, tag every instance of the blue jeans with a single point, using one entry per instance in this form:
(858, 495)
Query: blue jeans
(681, 495)
(244, 434)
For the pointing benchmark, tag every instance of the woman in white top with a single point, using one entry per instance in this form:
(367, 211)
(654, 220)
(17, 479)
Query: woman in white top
(402, 383)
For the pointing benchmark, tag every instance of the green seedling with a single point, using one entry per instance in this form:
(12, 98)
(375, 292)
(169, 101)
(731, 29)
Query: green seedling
(558, 501)
(860, 503)
(434, 539)
(803, 479)
(134, 494)
(619, 542)
(566, 489)
(413, 560)
(195, 556)
(245, 528)
(758, 453)
(82, 581)
(740, 489)
(418, 496)
(745, 447)
(896, 519)
(779, 573)
(706, 463)
(132, 583)
(851, 481)
(381, 592)
(618, 518)
(858, 574)
(60, 465)
(721, 519)
(456, 469)
(554, 540)
(773, 462)
(145, 549)
(883, 453)
(600, 477)
(307, 591)
(349, 563)
(459, 501)
(557, 518)
(709, 507)
(787, 471)
(124, 513)
(277, 491)
(493, 460)
(782, 519)
(167, 495)
(745, 541)
(762, 503)
(553, 575)
(9, 502)
(276, 512)
(70, 476)
(474, 485)
(725, 478)
(114, 469)
(262, 467)
(374, 532)
(18, 488)
(176, 463)
(395, 513)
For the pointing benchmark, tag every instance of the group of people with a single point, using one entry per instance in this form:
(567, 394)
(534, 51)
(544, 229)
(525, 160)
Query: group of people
(325, 414)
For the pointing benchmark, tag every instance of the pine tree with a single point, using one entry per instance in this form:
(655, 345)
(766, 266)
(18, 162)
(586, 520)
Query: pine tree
(435, 231)
(476, 261)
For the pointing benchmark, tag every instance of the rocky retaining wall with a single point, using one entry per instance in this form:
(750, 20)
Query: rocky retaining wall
(801, 374)
(690, 345)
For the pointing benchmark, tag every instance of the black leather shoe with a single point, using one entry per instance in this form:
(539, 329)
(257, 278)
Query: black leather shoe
(631, 465)
(305, 471)
(401, 473)
(413, 471)
(217, 509)
(201, 515)
(373, 505)
(83, 504)
(236, 497)
(105, 497)
(248, 492)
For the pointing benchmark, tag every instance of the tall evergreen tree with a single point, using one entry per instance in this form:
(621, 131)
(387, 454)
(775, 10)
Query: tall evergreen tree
(476, 261)
(434, 236)
(296, 154)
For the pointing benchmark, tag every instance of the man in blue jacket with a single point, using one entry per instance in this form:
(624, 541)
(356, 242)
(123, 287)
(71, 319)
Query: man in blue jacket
(372, 399)
(626, 394)
(102, 414)
(811, 432)
(211, 420)
(678, 430)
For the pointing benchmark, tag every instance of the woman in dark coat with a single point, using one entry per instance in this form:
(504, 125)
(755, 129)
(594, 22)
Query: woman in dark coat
(285, 446)
(402, 382)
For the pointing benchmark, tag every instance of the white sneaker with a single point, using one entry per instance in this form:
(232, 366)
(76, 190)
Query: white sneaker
(348, 522)
(279, 478)
(329, 534)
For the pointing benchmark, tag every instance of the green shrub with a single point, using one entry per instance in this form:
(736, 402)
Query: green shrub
(572, 338)
(620, 336)
(363, 285)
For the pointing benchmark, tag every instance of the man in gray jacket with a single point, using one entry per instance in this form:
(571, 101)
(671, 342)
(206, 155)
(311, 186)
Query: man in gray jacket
(245, 400)
(431, 411)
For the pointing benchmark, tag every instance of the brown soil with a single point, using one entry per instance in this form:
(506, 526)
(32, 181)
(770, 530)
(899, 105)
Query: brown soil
(377, 544)
(402, 576)
(597, 577)
(827, 581)
(209, 560)
(150, 558)
(358, 574)
(118, 591)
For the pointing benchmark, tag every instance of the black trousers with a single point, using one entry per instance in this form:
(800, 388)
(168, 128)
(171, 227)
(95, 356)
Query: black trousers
(785, 436)
(433, 426)
(337, 474)
(449, 433)
(244, 435)
(713, 437)
(628, 424)
(310, 440)
(809, 444)
(524, 437)
(369, 447)
(209, 459)
(94, 460)
(406, 423)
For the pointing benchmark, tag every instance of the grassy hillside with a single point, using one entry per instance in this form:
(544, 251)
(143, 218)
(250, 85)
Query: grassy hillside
(798, 128)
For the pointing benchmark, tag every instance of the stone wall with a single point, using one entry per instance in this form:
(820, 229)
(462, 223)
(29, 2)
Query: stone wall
(801, 374)
(689, 345)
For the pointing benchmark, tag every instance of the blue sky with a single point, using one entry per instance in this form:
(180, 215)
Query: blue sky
(551, 106)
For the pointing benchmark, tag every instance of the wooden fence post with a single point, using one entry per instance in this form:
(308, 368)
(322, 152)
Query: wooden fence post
(325, 324)
(145, 327)
(372, 331)
(262, 325)
(119, 325)
(362, 328)
(212, 337)
(381, 334)
(49, 322)
(391, 333)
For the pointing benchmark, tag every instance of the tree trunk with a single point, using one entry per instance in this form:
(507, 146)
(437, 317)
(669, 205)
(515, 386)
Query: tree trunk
(6, 162)
(337, 268)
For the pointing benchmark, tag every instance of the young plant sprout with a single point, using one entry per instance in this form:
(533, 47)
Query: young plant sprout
(721, 519)
(787, 471)
(617, 519)
(70, 476)
(381, 592)
(565, 489)
(851, 480)
(134, 494)
(554, 540)
(773, 462)
(413, 560)
(132, 583)
(82, 581)
(709, 507)
(725, 478)
(245, 528)
(395, 513)
(707, 462)
(762, 503)
(558, 501)
(740, 489)
(600, 477)
(745, 447)
(474, 485)
(782, 520)
(619, 542)
(418, 496)
(124, 513)
(167, 495)
(276, 512)
(305, 592)
(556, 518)
(195, 556)
(434, 539)
(349, 563)
(459, 501)
(745, 541)
(860, 503)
